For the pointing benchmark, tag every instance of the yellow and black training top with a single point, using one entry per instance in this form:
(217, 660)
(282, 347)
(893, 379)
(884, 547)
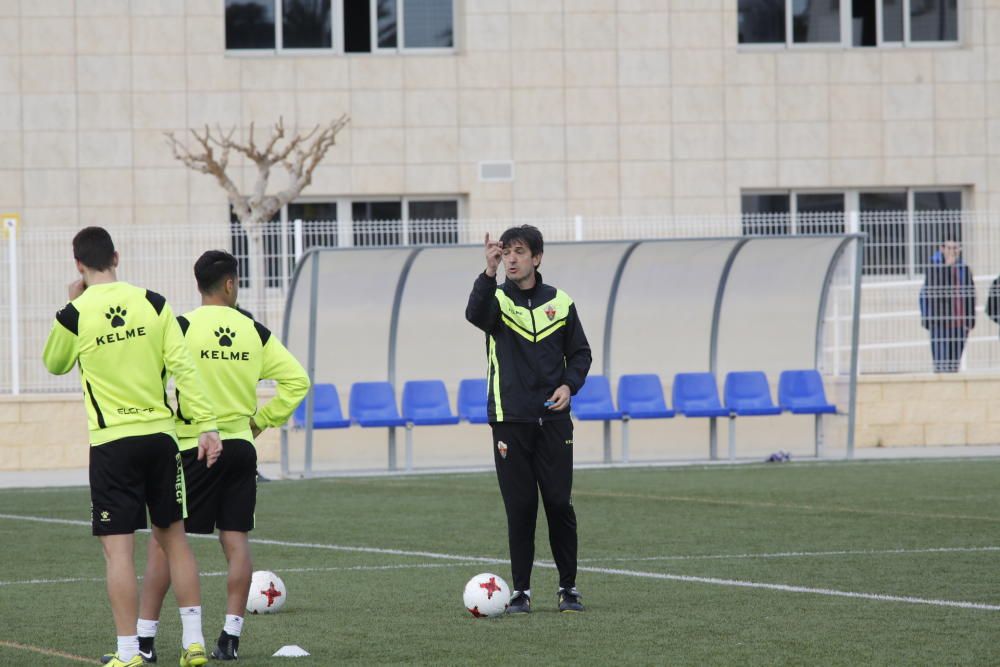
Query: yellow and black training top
(534, 343)
(232, 353)
(126, 340)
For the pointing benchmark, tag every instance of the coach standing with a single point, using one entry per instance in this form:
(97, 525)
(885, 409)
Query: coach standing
(537, 356)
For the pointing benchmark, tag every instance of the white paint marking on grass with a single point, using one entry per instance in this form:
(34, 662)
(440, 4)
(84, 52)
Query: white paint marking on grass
(47, 651)
(599, 570)
(795, 554)
(790, 589)
(345, 568)
(42, 519)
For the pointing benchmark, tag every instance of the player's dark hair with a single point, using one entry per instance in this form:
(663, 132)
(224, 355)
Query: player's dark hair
(526, 234)
(214, 267)
(93, 247)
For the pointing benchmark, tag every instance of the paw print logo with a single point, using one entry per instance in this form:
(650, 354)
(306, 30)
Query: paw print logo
(117, 316)
(225, 336)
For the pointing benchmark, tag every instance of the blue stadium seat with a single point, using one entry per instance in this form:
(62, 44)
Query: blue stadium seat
(695, 395)
(374, 404)
(641, 397)
(802, 393)
(472, 397)
(425, 403)
(593, 401)
(748, 394)
(326, 409)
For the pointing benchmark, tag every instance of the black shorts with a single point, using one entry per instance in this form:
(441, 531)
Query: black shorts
(130, 474)
(225, 495)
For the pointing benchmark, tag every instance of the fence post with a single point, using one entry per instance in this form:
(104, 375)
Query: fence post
(10, 231)
(297, 231)
(578, 228)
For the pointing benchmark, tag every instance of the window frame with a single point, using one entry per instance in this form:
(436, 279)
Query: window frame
(337, 42)
(847, 36)
(852, 215)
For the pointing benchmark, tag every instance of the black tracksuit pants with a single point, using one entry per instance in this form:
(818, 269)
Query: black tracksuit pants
(530, 457)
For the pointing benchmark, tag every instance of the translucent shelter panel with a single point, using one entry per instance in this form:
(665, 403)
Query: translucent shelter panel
(663, 312)
(354, 296)
(585, 271)
(434, 340)
(770, 308)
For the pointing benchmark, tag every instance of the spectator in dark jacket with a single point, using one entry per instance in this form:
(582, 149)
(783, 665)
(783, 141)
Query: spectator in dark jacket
(948, 305)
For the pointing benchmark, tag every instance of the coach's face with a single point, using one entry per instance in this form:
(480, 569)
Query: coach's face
(518, 261)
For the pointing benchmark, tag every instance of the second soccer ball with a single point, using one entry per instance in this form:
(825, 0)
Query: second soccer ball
(267, 593)
(486, 595)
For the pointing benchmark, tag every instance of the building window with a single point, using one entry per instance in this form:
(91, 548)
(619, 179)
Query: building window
(343, 223)
(903, 228)
(858, 23)
(364, 25)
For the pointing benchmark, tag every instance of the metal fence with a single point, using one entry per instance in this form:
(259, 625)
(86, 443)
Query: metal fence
(904, 250)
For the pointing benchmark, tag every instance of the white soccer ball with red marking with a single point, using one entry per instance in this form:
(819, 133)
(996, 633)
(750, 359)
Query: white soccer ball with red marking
(486, 595)
(267, 593)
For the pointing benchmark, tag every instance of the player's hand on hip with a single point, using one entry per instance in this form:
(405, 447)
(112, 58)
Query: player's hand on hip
(209, 447)
(494, 251)
(559, 400)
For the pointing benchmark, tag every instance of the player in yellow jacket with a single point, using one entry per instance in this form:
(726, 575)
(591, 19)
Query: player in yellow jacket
(232, 353)
(125, 340)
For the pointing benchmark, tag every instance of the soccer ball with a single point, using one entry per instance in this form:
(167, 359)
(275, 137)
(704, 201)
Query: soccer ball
(267, 593)
(486, 595)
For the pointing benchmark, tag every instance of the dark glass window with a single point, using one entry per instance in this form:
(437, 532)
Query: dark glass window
(428, 24)
(765, 214)
(249, 24)
(761, 21)
(272, 249)
(937, 217)
(863, 22)
(387, 21)
(433, 222)
(377, 223)
(820, 213)
(933, 20)
(306, 24)
(815, 21)
(357, 26)
(883, 218)
(319, 224)
(892, 20)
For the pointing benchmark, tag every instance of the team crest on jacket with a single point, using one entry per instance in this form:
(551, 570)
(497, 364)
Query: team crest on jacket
(550, 313)
(502, 448)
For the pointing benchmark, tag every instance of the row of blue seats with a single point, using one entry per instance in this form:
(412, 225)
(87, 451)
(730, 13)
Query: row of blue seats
(640, 396)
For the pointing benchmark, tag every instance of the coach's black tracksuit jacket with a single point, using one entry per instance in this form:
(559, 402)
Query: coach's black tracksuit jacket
(534, 343)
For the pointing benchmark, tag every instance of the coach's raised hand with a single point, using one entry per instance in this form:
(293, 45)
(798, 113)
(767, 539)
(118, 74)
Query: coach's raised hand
(494, 249)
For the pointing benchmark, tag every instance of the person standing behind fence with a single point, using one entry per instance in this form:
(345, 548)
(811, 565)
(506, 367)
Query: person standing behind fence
(125, 340)
(948, 305)
(538, 356)
(993, 301)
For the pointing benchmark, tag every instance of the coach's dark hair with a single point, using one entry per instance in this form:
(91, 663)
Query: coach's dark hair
(93, 247)
(212, 268)
(526, 234)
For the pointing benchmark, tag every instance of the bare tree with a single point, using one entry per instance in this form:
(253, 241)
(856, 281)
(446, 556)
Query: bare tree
(299, 153)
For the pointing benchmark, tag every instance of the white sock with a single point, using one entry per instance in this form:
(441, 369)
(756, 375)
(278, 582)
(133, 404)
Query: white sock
(147, 628)
(191, 626)
(234, 625)
(128, 647)
(527, 592)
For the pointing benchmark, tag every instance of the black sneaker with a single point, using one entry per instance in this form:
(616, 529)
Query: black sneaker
(570, 600)
(227, 647)
(147, 651)
(520, 603)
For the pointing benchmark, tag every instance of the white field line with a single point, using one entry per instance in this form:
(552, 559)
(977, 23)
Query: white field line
(599, 570)
(47, 651)
(346, 568)
(795, 554)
